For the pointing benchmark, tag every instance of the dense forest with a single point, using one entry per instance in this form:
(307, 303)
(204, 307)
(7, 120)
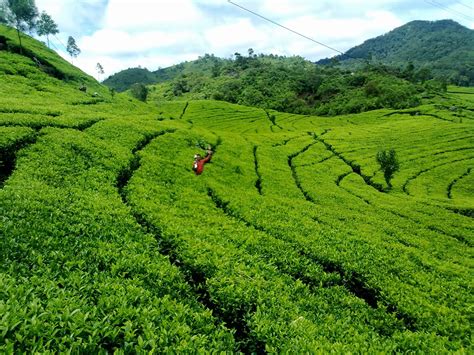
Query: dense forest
(393, 71)
(290, 84)
(444, 48)
(294, 85)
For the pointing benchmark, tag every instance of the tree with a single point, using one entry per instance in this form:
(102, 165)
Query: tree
(3, 13)
(46, 26)
(21, 14)
(139, 91)
(389, 163)
(100, 70)
(72, 48)
(423, 74)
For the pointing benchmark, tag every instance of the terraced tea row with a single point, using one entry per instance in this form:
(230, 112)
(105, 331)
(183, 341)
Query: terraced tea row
(290, 241)
(241, 269)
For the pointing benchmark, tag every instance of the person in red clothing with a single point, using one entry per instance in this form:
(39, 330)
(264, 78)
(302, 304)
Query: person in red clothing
(198, 165)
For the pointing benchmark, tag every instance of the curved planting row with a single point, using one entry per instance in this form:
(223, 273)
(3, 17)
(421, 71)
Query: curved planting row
(12, 139)
(275, 301)
(407, 234)
(79, 274)
(363, 241)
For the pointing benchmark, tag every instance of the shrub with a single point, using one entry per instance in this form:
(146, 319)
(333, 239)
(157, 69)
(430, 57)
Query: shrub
(139, 91)
(389, 163)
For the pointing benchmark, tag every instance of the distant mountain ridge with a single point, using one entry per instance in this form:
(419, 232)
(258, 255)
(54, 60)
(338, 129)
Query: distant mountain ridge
(444, 47)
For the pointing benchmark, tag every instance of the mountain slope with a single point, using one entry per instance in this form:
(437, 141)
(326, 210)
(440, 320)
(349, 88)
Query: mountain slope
(44, 58)
(123, 80)
(290, 241)
(207, 65)
(286, 84)
(444, 47)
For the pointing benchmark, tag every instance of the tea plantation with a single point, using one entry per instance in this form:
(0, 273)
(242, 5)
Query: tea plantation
(290, 241)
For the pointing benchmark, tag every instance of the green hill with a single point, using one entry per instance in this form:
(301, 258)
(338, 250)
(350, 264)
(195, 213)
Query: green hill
(389, 71)
(444, 48)
(45, 59)
(289, 242)
(123, 80)
(291, 84)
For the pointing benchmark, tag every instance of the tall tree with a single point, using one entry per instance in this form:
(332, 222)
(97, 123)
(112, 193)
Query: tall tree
(46, 26)
(22, 15)
(100, 70)
(72, 48)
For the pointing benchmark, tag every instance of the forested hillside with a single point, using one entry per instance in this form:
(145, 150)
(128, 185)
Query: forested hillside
(391, 71)
(126, 78)
(292, 240)
(444, 49)
(293, 85)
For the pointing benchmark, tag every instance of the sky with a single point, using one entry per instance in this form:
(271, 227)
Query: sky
(121, 34)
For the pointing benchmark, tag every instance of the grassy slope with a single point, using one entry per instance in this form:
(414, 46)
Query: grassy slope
(108, 240)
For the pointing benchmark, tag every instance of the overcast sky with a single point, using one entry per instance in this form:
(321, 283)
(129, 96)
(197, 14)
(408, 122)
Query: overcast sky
(121, 34)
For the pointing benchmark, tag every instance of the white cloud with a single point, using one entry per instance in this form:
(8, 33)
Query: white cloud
(330, 30)
(74, 17)
(233, 35)
(158, 33)
(142, 15)
(117, 42)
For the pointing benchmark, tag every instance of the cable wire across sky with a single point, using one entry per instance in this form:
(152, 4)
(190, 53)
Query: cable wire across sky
(445, 8)
(286, 28)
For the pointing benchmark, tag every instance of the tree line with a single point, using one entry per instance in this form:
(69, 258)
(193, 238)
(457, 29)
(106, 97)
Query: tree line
(24, 16)
(296, 85)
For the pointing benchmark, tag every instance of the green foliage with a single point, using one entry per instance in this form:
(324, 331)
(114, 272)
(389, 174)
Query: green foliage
(139, 91)
(36, 54)
(72, 47)
(3, 12)
(21, 14)
(46, 26)
(285, 244)
(439, 49)
(291, 85)
(388, 163)
(11, 140)
(126, 78)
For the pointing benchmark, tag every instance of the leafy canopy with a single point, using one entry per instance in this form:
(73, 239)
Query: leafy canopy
(139, 91)
(21, 14)
(46, 26)
(389, 163)
(72, 47)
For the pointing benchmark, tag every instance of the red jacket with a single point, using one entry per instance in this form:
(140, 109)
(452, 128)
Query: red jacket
(199, 164)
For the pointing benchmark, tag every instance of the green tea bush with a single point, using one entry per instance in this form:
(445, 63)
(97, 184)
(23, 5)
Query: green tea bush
(110, 243)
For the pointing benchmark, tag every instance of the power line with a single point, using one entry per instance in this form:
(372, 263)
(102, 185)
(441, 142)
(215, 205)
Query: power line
(60, 42)
(51, 42)
(286, 28)
(460, 3)
(441, 6)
